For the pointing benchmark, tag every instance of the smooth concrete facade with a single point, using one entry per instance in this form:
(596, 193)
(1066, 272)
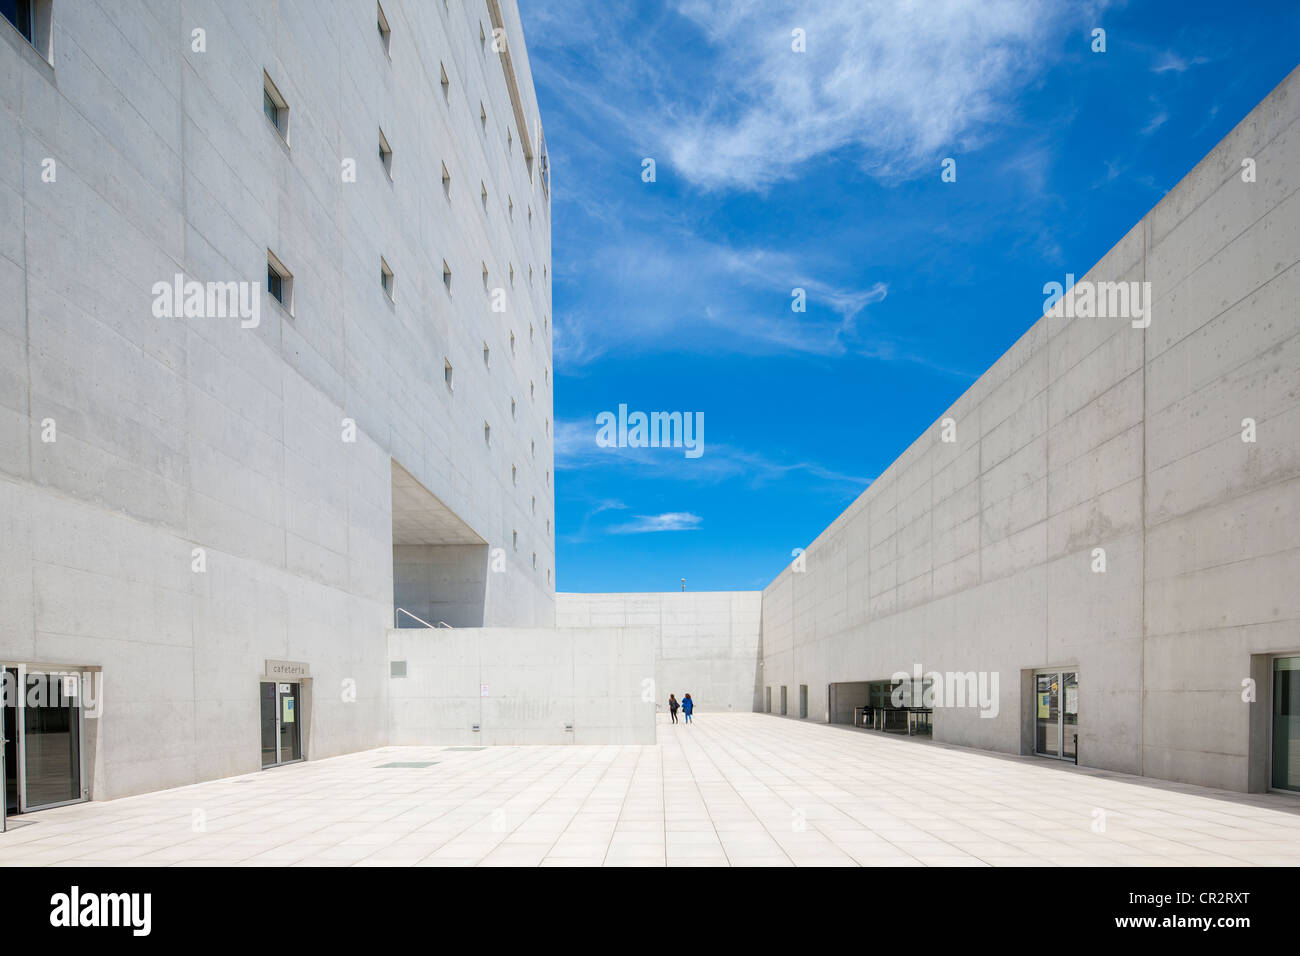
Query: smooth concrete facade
(517, 686)
(978, 554)
(705, 643)
(183, 499)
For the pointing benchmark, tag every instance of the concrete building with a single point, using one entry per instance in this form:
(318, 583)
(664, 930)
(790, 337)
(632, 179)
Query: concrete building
(1107, 523)
(276, 442)
(213, 497)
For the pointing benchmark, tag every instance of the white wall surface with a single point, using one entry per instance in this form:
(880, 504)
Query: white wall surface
(706, 643)
(522, 686)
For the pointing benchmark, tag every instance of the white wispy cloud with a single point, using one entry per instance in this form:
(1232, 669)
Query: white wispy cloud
(1171, 62)
(670, 521)
(576, 449)
(901, 85)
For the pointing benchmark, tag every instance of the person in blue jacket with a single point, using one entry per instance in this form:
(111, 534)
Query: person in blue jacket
(688, 705)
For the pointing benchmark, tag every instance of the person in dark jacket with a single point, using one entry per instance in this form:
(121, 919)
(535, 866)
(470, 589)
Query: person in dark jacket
(688, 705)
(672, 706)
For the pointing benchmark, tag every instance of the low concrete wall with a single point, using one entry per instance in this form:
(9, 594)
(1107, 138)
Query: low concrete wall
(706, 643)
(521, 686)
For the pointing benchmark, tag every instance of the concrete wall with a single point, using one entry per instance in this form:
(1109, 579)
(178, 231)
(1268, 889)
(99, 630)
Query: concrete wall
(522, 686)
(706, 643)
(977, 554)
(175, 434)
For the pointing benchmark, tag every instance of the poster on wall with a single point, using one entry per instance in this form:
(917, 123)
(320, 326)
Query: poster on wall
(1044, 706)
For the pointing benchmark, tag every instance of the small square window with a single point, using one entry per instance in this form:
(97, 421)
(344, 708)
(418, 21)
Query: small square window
(482, 37)
(482, 116)
(483, 191)
(512, 273)
(487, 355)
(532, 392)
(446, 375)
(446, 275)
(532, 447)
(386, 279)
(534, 560)
(485, 273)
(510, 206)
(514, 539)
(385, 32)
(512, 344)
(533, 501)
(487, 434)
(275, 107)
(446, 181)
(446, 83)
(514, 475)
(386, 154)
(530, 331)
(512, 409)
(279, 281)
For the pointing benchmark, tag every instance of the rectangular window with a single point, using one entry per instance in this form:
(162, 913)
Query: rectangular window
(32, 18)
(385, 154)
(386, 279)
(385, 32)
(279, 281)
(19, 13)
(275, 107)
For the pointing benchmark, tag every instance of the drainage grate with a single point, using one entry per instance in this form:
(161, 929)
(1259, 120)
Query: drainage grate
(464, 748)
(407, 763)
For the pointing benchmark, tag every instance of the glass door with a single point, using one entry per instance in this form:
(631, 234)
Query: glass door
(1047, 715)
(11, 696)
(51, 739)
(1056, 714)
(270, 728)
(281, 723)
(290, 737)
(1286, 723)
(1069, 714)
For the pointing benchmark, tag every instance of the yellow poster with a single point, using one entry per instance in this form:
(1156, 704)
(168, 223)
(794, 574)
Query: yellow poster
(288, 710)
(1045, 706)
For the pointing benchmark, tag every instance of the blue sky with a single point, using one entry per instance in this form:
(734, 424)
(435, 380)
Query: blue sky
(821, 170)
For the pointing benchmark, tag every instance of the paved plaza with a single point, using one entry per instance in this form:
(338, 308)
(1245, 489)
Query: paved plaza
(730, 789)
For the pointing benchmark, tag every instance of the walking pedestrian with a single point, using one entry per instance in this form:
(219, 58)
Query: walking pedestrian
(688, 705)
(672, 707)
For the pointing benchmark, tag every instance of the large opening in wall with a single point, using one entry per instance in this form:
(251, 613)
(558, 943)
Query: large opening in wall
(440, 565)
(884, 705)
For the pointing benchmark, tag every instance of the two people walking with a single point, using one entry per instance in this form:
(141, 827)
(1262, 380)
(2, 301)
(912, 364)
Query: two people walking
(687, 705)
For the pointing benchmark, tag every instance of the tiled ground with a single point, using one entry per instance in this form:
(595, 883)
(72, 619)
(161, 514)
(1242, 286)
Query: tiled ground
(738, 789)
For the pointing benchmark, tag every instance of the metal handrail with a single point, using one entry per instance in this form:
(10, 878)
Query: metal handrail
(402, 610)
